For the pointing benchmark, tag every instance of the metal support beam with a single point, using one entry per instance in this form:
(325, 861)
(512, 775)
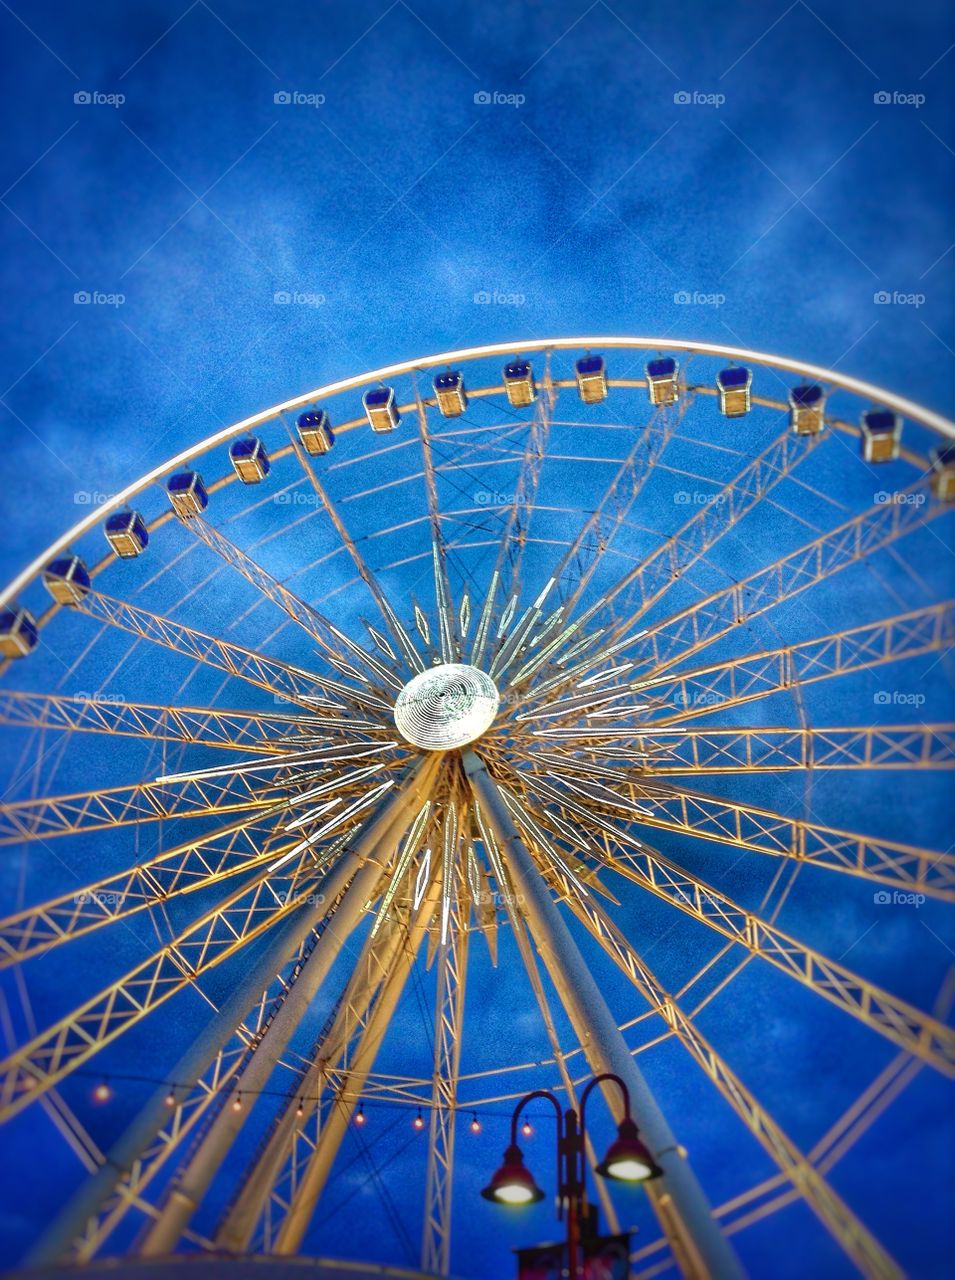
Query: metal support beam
(700, 1247)
(354, 878)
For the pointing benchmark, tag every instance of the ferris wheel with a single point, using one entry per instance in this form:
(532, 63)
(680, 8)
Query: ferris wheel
(585, 672)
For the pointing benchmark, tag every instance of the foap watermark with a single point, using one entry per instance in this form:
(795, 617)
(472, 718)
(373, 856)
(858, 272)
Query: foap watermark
(693, 98)
(488, 498)
(93, 98)
(297, 498)
(491, 98)
(295, 899)
(898, 698)
(894, 98)
(897, 898)
(102, 699)
(886, 499)
(495, 298)
(684, 298)
(96, 897)
(700, 698)
(90, 498)
(897, 299)
(294, 298)
(95, 298)
(296, 98)
(696, 498)
(498, 898)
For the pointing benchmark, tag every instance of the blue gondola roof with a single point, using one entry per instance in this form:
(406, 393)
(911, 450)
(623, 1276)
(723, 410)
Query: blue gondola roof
(590, 364)
(734, 377)
(879, 420)
(379, 395)
(448, 381)
(520, 368)
(313, 418)
(71, 567)
(246, 448)
(665, 367)
(807, 395)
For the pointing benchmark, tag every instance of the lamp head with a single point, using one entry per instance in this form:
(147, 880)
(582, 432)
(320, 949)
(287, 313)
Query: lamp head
(513, 1183)
(629, 1158)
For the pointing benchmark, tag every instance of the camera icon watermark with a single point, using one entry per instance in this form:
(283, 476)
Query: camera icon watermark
(886, 499)
(684, 298)
(486, 98)
(886, 98)
(93, 98)
(289, 297)
(693, 98)
(883, 298)
(295, 98)
(95, 298)
(898, 698)
(897, 898)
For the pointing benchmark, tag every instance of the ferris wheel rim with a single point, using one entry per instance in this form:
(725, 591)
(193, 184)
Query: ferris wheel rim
(864, 390)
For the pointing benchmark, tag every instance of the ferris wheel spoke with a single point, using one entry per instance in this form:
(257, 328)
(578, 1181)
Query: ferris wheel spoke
(332, 641)
(49, 816)
(688, 812)
(452, 969)
(693, 752)
(351, 1081)
(194, 1100)
(697, 627)
(449, 639)
(650, 580)
(847, 1229)
(227, 728)
(405, 645)
(220, 933)
(720, 686)
(915, 1031)
(580, 561)
(278, 678)
(195, 864)
(505, 579)
(692, 629)
(279, 1152)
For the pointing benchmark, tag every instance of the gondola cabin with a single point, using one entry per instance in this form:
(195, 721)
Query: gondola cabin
(591, 379)
(127, 534)
(943, 472)
(662, 380)
(187, 494)
(881, 435)
(380, 409)
(519, 384)
(250, 460)
(67, 580)
(315, 432)
(451, 395)
(807, 408)
(733, 386)
(18, 633)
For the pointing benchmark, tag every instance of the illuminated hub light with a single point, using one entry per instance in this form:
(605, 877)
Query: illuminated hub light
(446, 707)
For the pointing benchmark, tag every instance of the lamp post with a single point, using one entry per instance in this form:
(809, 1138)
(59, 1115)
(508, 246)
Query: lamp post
(627, 1160)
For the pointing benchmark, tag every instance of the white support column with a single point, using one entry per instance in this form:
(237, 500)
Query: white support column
(701, 1249)
(354, 877)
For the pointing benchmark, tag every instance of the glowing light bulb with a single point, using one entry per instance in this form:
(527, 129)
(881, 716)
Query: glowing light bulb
(102, 1092)
(527, 1129)
(418, 1121)
(237, 1102)
(360, 1115)
(475, 1124)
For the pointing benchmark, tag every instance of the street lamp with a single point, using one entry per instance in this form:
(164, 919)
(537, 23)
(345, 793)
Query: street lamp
(628, 1159)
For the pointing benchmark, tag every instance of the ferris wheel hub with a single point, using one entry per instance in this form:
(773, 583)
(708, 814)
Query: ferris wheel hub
(446, 707)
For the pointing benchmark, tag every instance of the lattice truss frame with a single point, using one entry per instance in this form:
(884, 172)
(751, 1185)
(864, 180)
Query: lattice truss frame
(628, 679)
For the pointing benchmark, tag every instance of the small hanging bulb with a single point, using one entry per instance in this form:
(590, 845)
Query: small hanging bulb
(237, 1102)
(418, 1121)
(102, 1092)
(475, 1123)
(360, 1115)
(527, 1129)
(300, 1109)
(171, 1099)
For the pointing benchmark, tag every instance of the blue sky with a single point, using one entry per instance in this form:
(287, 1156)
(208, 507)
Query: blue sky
(449, 175)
